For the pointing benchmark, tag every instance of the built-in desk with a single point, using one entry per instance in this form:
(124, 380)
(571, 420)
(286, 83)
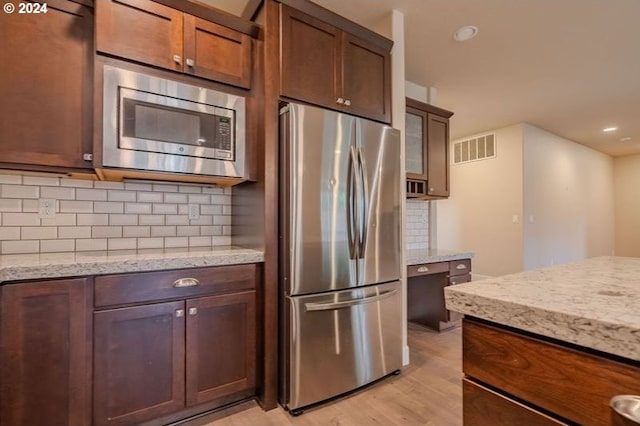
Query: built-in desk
(428, 273)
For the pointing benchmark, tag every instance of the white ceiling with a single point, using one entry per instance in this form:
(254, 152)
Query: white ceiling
(571, 67)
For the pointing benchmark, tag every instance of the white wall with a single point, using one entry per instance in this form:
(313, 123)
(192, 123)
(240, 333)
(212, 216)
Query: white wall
(626, 182)
(568, 200)
(478, 216)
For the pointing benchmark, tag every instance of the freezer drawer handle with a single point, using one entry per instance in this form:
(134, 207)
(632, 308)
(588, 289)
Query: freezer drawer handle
(348, 303)
(186, 282)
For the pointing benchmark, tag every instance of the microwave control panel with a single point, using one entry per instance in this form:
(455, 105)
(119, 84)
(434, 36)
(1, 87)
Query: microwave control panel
(223, 144)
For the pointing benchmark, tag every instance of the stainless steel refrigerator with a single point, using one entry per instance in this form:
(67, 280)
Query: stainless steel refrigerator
(340, 254)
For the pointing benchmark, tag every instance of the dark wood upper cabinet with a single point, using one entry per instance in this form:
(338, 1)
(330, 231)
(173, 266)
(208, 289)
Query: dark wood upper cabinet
(45, 348)
(154, 34)
(46, 87)
(326, 65)
(426, 150)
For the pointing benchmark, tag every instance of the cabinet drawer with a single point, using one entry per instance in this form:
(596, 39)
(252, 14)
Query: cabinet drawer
(459, 279)
(575, 385)
(150, 286)
(460, 267)
(427, 268)
(484, 407)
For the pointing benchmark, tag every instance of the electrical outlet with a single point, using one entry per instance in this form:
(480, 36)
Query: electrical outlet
(194, 211)
(46, 208)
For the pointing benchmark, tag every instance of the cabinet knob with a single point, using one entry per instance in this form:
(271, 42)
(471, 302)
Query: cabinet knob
(347, 102)
(177, 59)
(87, 157)
(340, 101)
(431, 189)
(190, 62)
(179, 313)
(193, 311)
(461, 266)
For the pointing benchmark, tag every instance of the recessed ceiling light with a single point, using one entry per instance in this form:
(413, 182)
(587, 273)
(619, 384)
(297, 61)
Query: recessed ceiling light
(609, 129)
(625, 139)
(465, 33)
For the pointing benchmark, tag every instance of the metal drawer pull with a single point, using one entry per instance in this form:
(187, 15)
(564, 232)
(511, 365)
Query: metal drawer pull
(461, 266)
(186, 282)
(348, 303)
(423, 269)
(179, 313)
(193, 311)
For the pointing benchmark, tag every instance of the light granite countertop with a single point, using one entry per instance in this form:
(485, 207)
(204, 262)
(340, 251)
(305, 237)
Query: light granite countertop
(419, 256)
(593, 303)
(56, 265)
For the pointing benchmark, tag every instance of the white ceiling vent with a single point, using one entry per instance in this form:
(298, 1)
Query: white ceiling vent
(474, 149)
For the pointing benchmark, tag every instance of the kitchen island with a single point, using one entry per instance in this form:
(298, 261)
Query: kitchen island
(550, 346)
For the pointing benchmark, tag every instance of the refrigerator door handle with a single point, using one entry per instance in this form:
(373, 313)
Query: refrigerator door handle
(352, 205)
(348, 303)
(364, 202)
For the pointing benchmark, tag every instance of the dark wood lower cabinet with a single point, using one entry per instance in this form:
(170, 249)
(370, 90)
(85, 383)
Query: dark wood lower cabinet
(221, 346)
(138, 363)
(157, 359)
(45, 352)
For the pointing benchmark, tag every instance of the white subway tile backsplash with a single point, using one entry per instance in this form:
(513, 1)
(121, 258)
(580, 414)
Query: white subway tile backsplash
(11, 179)
(123, 219)
(150, 197)
(10, 205)
(199, 199)
(91, 194)
(54, 246)
(163, 231)
(137, 208)
(60, 219)
(93, 219)
(9, 233)
(417, 224)
(175, 198)
(121, 244)
(40, 181)
(117, 195)
(108, 185)
(94, 215)
(108, 207)
(74, 232)
(106, 231)
(60, 193)
(20, 191)
(68, 206)
(39, 233)
(20, 219)
(150, 243)
(151, 219)
(165, 209)
(91, 244)
(136, 231)
(19, 247)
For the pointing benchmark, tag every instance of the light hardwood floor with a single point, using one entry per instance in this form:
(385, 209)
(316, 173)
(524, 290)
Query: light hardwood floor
(428, 392)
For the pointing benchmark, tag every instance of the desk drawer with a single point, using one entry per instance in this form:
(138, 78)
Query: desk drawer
(427, 269)
(142, 287)
(460, 267)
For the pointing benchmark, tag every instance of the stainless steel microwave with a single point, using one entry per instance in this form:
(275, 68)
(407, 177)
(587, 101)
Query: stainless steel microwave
(155, 124)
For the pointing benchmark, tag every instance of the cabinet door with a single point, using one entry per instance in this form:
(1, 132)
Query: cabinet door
(438, 156)
(216, 52)
(221, 346)
(310, 58)
(416, 144)
(46, 86)
(45, 349)
(366, 82)
(141, 30)
(138, 363)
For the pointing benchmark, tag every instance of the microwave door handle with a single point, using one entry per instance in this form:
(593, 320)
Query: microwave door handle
(348, 303)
